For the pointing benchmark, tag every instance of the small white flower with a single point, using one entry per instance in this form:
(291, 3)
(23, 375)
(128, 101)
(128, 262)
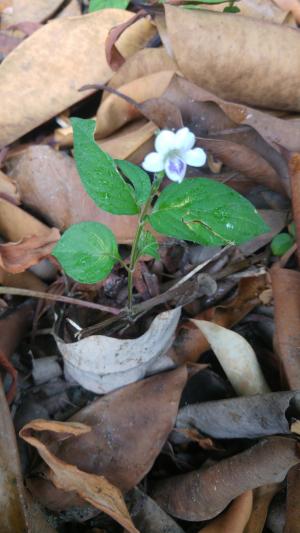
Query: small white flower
(173, 153)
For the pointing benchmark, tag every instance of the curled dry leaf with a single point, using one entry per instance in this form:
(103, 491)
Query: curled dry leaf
(96, 490)
(24, 72)
(262, 499)
(103, 364)
(113, 56)
(286, 290)
(212, 60)
(204, 493)
(114, 112)
(235, 518)
(190, 343)
(250, 417)
(141, 64)
(16, 257)
(40, 169)
(194, 100)
(129, 428)
(236, 357)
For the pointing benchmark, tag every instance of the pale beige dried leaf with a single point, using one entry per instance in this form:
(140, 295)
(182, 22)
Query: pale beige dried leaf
(72, 9)
(122, 361)
(96, 490)
(16, 224)
(73, 51)
(207, 48)
(236, 357)
(114, 112)
(261, 9)
(34, 10)
(290, 5)
(8, 188)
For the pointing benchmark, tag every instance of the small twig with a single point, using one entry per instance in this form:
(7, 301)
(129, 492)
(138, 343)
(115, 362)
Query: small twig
(57, 298)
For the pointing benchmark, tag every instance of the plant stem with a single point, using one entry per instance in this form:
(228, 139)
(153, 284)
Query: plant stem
(134, 250)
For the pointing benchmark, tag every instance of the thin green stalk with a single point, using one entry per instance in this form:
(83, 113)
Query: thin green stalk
(134, 250)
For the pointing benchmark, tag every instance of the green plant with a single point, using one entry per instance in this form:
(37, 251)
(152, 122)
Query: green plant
(199, 210)
(282, 242)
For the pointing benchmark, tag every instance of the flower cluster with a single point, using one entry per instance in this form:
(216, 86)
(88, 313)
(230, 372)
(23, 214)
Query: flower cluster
(174, 151)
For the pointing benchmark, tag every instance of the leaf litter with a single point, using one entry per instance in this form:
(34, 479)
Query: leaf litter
(122, 434)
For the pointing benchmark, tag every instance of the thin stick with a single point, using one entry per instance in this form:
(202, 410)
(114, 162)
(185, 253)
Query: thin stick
(57, 298)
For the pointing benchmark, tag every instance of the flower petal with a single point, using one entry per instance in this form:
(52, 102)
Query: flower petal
(175, 169)
(165, 141)
(153, 162)
(195, 157)
(185, 140)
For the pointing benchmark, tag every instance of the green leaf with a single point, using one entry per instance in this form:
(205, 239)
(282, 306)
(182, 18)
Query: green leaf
(231, 9)
(98, 172)
(87, 252)
(207, 212)
(97, 5)
(139, 179)
(292, 229)
(281, 243)
(147, 245)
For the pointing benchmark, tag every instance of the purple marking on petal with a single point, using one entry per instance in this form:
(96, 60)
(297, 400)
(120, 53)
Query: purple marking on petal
(176, 165)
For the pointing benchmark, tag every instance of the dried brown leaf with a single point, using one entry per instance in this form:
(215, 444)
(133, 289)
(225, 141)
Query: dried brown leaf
(213, 59)
(16, 257)
(117, 447)
(24, 72)
(16, 224)
(8, 188)
(292, 503)
(294, 169)
(235, 518)
(204, 493)
(262, 499)
(286, 290)
(96, 490)
(43, 175)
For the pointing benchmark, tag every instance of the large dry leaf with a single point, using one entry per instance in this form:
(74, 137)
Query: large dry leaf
(294, 170)
(195, 103)
(290, 5)
(16, 257)
(129, 428)
(248, 417)
(96, 490)
(143, 63)
(33, 11)
(286, 290)
(43, 175)
(236, 357)
(235, 518)
(24, 280)
(204, 493)
(207, 48)
(102, 364)
(69, 66)
(262, 499)
(114, 111)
